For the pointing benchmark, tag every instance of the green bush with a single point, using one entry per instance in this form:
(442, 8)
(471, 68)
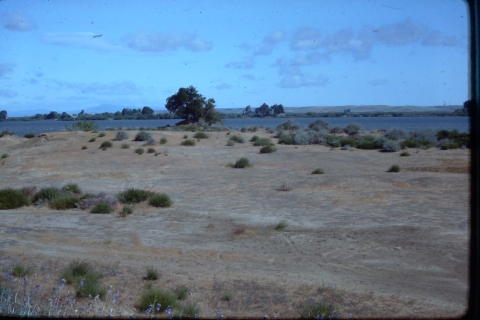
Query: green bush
(29, 135)
(227, 296)
(139, 150)
(160, 200)
(237, 139)
(153, 297)
(134, 195)
(289, 125)
(368, 143)
(201, 135)
(391, 146)
(5, 155)
(188, 143)
(353, 128)
(64, 202)
(126, 211)
(394, 168)
(318, 125)
(242, 163)
(185, 136)
(101, 134)
(191, 310)
(404, 154)
(84, 148)
(163, 140)
(72, 187)
(230, 143)
(268, 149)
(152, 274)
(262, 142)
(281, 225)
(125, 146)
(75, 271)
(318, 171)
(21, 270)
(83, 126)
(143, 136)
(91, 287)
(46, 194)
(254, 138)
(102, 208)
(151, 150)
(6, 133)
(12, 199)
(332, 141)
(92, 139)
(285, 139)
(449, 145)
(350, 141)
(105, 145)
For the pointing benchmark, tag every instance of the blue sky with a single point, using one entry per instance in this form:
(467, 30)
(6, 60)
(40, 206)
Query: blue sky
(297, 53)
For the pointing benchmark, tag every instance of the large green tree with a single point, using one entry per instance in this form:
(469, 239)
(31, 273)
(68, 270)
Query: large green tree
(277, 109)
(263, 110)
(190, 105)
(147, 111)
(3, 114)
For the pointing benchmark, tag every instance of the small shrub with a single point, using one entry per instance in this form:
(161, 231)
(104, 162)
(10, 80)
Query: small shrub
(191, 310)
(90, 201)
(126, 211)
(336, 130)
(410, 143)
(5, 155)
(242, 163)
(75, 271)
(396, 134)
(83, 126)
(143, 136)
(230, 143)
(152, 274)
(160, 200)
(284, 187)
(317, 311)
(318, 125)
(285, 139)
(254, 138)
(21, 270)
(181, 292)
(134, 195)
(369, 143)
(125, 146)
(268, 149)
(185, 136)
(101, 134)
(318, 171)
(104, 208)
(201, 135)
(139, 150)
(84, 148)
(91, 287)
(151, 142)
(353, 128)
(29, 135)
(281, 225)
(122, 135)
(227, 296)
(269, 130)
(92, 139)
(151, 150)
(105, 145)
(64, 202)
(188, 143)
(237, 139)
(391, 146)
(289, 125)
(404, 154)
(153, 297)
(29, 192)
(262, 142)
(163, 140)
(6, 133)
(425, 135)
(394, 168)
(332, 141)
(350, 141)
(46, 194)
(12, 199)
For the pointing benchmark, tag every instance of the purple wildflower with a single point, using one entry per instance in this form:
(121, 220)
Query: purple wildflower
(82, 282)
(149, 310)
(157, 307)
(115, 298)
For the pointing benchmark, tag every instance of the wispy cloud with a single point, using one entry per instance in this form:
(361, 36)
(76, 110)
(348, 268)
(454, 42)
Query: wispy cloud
(379, 82)
(269, 42)
(86, 40)
(163, 41)
(114, 88)
(247, 62)
(435, 38)
(400, 33)
(248, 76)
(6, 93)
(293, 77)
(6, 68)
(18, 22)
(306, 38)
(223, 86)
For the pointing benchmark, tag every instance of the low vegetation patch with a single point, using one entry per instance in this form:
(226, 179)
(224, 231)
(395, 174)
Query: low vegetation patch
(84, 148)
(318, 171)
(284, 187)
(105, 145)
(101, 134)
(404, 154)
(151, 150)
(230, 143)
(21, 270)
(64, 202)
(227, 296)
(394, 168)
(285, 139)
(237, 139)
(126, 210)
(4, 155)
(134, 195)
(181, 292)
(317, 310)
(201, 135)
(125, 146)
(46, 195)
(156, 300)
(81, 275)
(281, 225)
(83, 126)
(143, 136)
(92, 139)
(262, 142)
(104, 208)
(289, 125)
(152, 274)
(29, 135)
(12, 199)
(268, 149)
(139, 151)
(6, 133)
(242, 163)
(163, 140)
(151, 142)
(188, 143)
(122, 135)
(160, 200)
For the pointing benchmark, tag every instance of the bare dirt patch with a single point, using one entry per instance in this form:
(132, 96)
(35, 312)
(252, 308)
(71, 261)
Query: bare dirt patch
(370, 242)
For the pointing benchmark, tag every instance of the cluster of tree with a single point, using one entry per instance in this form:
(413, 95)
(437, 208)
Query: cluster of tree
(465, 111)
(264, 110)
(3, 115)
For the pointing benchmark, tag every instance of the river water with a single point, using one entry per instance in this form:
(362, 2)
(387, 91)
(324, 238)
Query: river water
(461, 124)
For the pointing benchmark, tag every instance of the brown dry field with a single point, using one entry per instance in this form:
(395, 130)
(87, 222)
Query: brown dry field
(372, 243)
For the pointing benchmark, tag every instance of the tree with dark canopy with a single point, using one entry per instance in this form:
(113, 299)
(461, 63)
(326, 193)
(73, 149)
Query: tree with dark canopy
(187, 103)
(263, 110)
(3, 114)
(277, 109)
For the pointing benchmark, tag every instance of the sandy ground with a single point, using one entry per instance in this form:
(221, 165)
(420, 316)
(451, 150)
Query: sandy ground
(370, 242)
